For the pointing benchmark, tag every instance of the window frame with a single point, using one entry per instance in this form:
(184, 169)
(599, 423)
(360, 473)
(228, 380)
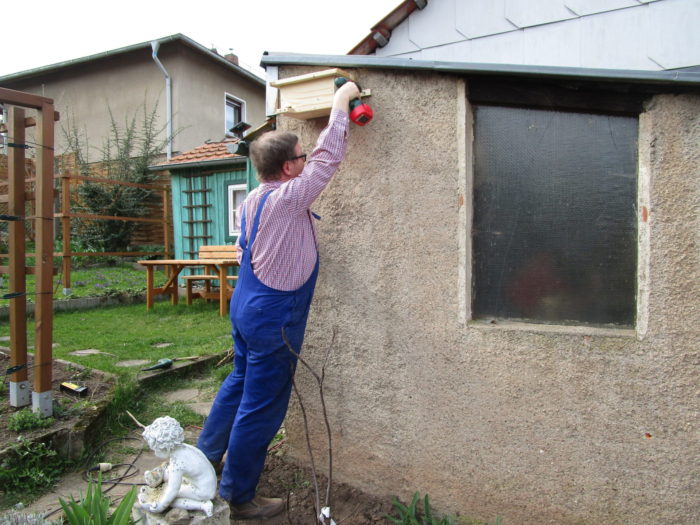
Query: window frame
(570, 96)
(231, 187)
(228, 97)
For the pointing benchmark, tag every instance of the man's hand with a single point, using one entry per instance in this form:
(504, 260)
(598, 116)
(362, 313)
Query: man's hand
(344, 95)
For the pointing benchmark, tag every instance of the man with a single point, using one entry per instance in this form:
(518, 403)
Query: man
(279, 265)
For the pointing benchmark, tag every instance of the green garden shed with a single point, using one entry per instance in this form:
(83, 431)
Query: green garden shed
(208, 184)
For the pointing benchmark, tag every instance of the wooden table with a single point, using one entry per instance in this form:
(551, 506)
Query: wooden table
(175, 266)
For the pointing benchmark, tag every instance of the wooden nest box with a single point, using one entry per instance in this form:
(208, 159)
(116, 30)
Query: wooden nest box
(309, 96)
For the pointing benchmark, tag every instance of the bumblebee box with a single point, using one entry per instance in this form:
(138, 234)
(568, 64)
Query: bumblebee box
(309, 96)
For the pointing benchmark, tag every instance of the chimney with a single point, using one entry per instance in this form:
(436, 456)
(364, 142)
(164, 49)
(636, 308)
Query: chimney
(232, 58)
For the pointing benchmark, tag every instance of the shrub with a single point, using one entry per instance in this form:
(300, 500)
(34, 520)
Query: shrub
(25, 419)
(30, 467)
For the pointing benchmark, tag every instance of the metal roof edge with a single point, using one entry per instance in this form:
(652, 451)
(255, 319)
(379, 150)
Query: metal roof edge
(199, 164)
(29, 73)
(668, 77)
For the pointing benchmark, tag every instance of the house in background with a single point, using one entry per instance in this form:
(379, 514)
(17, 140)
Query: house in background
(611, 34)
(198, 93)
(208, 185)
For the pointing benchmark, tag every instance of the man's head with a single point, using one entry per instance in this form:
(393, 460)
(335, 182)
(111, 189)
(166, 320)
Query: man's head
(277, 156)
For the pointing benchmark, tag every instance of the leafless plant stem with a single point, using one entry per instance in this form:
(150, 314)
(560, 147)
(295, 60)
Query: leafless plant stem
(319, 380)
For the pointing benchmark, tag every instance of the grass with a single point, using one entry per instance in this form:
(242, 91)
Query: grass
(91, 282)
(131, 332)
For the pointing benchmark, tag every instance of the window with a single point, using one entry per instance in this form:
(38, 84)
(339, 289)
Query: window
(236, 195)
(554, 228)
(235, 113)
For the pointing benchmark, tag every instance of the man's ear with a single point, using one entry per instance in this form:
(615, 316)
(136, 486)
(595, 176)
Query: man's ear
(286, 169)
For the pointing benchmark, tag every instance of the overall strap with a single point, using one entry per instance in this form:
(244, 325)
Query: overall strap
(241, 238)
(256, 221)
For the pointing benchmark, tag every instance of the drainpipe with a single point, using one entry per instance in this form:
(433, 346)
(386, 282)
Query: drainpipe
(168, 99)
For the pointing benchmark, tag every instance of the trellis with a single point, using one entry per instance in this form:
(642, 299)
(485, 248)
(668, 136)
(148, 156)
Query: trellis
(17, 122)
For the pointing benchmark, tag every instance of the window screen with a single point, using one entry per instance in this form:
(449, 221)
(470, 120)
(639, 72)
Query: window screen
(555, 234)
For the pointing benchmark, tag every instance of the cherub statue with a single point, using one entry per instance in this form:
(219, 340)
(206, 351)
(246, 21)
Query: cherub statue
(187, 481)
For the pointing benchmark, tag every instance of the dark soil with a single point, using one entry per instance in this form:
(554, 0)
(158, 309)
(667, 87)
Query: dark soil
(66, 413)
(349, 506)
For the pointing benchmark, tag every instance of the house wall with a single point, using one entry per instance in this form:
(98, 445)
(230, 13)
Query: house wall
(619, 34)
(83, 94)
(200, 87)
(534, 423)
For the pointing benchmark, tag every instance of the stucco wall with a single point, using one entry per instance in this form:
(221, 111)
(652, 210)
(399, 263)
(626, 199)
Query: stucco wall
(537, 424)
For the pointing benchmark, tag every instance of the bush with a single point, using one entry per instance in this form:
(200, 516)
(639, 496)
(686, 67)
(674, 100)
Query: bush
(25, 419)
(30, 467)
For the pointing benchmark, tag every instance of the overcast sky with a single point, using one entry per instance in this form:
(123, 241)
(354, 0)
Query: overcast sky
(42, 32)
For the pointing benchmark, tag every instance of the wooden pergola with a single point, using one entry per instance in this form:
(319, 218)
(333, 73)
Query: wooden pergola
(17, 103)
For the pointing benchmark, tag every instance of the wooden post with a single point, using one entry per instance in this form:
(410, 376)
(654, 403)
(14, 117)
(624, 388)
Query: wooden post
(65, 230)
(19, 383)
(42, 400)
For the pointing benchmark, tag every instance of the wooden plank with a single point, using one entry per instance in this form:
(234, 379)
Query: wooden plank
(17, 232)
(65, 230)
(300, 79)
(28, 270)
(30, 122)
(157, 187)
(43, 315)
(105, 217)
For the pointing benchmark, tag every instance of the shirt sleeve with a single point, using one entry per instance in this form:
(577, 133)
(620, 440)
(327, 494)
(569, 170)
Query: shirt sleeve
(299, 193)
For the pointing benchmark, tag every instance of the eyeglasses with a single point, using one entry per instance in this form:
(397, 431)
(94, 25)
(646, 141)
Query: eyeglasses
(302, 156)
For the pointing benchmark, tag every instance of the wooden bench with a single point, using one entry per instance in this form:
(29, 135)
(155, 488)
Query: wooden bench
(210, 256)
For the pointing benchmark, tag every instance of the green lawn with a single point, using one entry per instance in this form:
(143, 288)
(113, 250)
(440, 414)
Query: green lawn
(91, 282)
(131, 332)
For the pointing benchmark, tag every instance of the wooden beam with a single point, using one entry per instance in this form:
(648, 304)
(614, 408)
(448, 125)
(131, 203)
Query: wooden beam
(17, 262)
(43, 315)
(110, 181)
(30, 122)
(26, 100)
(106, 217)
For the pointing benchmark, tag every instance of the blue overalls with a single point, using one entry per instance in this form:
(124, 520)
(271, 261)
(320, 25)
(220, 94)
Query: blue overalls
(252, 402)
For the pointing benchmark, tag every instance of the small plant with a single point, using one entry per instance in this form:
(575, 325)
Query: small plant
(30, 467)
(93, 509)
(411, 514)
(15, 517)
(25, 419)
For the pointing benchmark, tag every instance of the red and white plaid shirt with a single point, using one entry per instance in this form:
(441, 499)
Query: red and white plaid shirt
(284, 252)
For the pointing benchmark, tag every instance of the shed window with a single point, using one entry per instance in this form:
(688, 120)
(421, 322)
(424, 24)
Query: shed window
(554, 231)
(236, 195)
(235, 112)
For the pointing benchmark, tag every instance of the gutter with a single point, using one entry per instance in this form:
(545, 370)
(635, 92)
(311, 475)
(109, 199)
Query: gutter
(380, 34)
(168, 99)
(672, 78)
(199, 164)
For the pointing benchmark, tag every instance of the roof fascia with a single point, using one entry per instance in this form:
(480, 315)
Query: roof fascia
(666, 78)
(199, 164)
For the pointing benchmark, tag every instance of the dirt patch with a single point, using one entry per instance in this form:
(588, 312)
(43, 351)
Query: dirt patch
(69, 410)
(350, 506)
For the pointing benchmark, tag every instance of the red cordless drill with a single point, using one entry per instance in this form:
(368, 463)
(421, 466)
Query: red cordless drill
(360, 113)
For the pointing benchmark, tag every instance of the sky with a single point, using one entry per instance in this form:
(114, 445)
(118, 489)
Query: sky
(44, 32)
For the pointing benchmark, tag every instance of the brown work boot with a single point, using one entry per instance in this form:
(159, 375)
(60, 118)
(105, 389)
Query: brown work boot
(258, 508)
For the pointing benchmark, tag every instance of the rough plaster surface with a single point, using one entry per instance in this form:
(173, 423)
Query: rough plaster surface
(547, 425)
